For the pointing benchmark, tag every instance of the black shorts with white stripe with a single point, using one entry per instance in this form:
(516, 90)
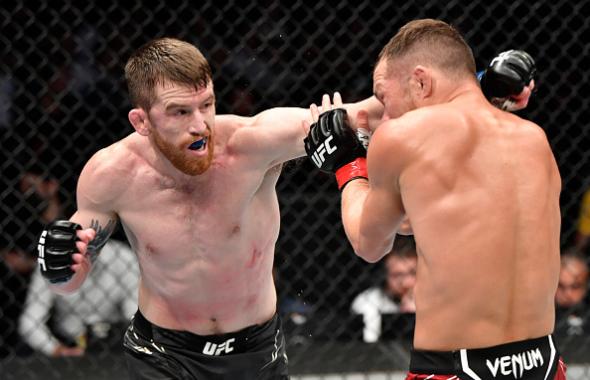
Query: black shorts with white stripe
(532, 359)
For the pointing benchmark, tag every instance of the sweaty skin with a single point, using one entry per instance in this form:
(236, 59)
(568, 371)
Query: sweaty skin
(481, 188)
(205, 243)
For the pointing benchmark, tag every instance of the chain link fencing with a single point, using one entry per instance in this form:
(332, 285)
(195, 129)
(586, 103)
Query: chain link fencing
(63, 96)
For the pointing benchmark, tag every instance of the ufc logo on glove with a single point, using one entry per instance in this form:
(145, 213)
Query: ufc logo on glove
(41, 250)
(318, 156)
(57, 244)
(332, 133)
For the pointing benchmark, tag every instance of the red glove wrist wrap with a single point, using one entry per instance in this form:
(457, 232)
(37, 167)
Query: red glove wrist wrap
(352, 170)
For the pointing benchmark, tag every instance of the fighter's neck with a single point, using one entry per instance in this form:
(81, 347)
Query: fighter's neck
(466, 89)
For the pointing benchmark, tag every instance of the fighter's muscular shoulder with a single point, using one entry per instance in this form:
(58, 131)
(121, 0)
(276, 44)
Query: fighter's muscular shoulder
(236, 136)
(405, 134)
(535, 143)
(226, 127)
(108, 173)
(393, 146)
(401, 143)
(272, 136)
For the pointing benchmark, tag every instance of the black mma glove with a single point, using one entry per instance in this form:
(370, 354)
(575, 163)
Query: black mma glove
(56, 246)
(506, 76)
(333, 146)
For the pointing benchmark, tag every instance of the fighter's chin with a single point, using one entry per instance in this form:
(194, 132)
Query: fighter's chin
(191, 164)
(194, 170)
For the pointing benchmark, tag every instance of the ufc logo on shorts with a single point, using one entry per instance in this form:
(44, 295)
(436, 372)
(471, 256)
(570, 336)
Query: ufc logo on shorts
(318, 156)
(41, 250)
(218, 349)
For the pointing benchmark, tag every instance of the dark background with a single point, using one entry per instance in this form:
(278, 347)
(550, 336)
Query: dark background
(63, 97)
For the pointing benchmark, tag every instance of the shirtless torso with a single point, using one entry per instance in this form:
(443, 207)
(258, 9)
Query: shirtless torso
(205, 243)
(481, 189)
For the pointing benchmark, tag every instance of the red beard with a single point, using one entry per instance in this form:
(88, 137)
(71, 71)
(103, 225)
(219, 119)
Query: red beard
(179, 156)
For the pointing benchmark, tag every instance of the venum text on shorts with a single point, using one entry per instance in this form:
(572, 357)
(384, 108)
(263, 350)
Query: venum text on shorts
(516, 364)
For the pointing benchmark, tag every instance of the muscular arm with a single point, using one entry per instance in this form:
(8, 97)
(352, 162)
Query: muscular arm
(373, 213)
(372, 106)
(95, 193)
(278, 133)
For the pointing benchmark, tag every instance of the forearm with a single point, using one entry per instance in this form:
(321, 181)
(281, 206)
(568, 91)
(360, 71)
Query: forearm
(95, 238)
(73, 284)
(371, 106)
(275, 135)
(353, 200)
(370, 230)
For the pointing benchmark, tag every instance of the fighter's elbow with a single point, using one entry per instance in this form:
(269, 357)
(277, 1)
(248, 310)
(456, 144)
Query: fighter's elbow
(371, 250)
(405, 227)
(369, 255)
(371, 259)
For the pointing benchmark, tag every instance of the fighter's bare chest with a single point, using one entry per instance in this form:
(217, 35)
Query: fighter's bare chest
(161, 209)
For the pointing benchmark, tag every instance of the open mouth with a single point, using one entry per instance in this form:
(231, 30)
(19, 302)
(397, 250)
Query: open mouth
(199, 144)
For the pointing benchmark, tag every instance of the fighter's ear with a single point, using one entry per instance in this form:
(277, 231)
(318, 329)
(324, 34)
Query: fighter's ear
(421, 82)
(138, 118)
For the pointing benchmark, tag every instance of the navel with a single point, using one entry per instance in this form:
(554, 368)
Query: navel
(150, 250)
(235, 230)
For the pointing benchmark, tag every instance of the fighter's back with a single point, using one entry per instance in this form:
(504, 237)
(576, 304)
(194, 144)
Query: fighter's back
(481, 189)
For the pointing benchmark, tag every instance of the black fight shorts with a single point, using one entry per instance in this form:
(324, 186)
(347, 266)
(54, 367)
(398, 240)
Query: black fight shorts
(254, 353)
(532, 359)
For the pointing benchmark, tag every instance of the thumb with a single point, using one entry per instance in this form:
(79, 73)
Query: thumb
(86, 235)
(521, 100)
(305, 125)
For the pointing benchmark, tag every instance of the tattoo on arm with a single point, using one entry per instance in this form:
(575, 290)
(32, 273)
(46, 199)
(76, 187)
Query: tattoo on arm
(102, 235)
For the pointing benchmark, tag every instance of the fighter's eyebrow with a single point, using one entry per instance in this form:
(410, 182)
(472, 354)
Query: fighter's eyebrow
(210, 98)
(172, 105)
